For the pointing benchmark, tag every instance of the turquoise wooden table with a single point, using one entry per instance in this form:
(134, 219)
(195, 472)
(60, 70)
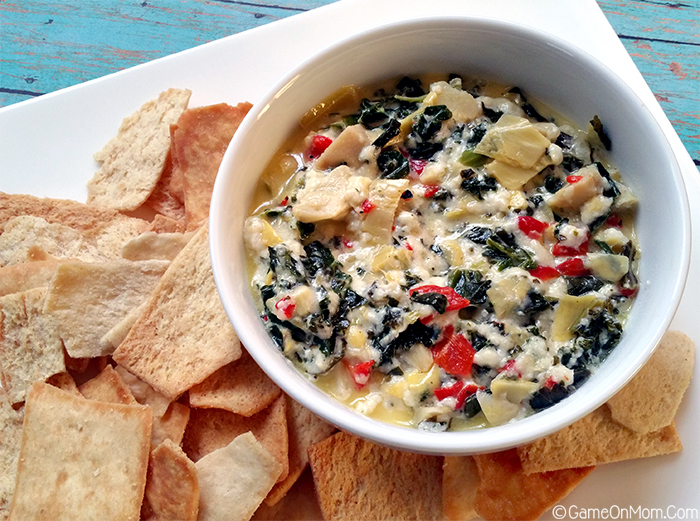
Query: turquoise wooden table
(49, 45)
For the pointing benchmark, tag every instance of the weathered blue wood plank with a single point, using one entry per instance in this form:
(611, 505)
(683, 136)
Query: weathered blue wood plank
(46, 46)
(663, 39)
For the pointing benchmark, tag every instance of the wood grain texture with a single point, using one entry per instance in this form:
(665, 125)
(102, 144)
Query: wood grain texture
(46, 46)
(663, 39)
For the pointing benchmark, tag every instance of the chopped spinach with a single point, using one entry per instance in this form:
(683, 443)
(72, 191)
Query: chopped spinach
(436, 300)
(577, 286)
(535, 303)
(392, 164)
(305, 229)
(613, 190)
(470, 284)
(430, 121)
(546, 397)
(532, 112)
(318, 258)
(477, 184)
(492, 115)
(553, 184)
(598, 127)
(391, 131)
(372, 114)
(502, 248)
(478, 234)
(409, 87)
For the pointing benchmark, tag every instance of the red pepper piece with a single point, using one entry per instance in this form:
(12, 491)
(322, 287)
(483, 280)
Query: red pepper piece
(559, 250)
(348, 243)
(430, 190)
(531, 227)
(360, 372)
(285, 201)
(549, 383)
(318, 145)
(286, 306)
(573, 267)
(460, 390)
(509, 367)
(628, 292)
(417, 165)
(455, 301)
(544, 273)
(571, 179)
(455, 356)
(367, 206)
(614, 220)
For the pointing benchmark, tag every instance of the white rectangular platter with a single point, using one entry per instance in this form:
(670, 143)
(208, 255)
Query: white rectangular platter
(46, 147)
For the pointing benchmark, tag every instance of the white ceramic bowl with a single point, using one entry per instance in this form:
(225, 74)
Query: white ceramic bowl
(546, 68)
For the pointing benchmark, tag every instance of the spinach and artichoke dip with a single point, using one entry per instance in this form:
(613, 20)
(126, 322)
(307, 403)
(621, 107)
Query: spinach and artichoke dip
(439, 253)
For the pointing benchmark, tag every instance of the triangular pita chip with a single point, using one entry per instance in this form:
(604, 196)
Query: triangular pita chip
(240, 387)
(10, 440)
(133, 161)
(184, 335)
(460, 480)
(211, 429)
(234, 479)
(107, 386)
(304, 429)
(650, 401)
(172, 490)
(593, 440)
(198, 145)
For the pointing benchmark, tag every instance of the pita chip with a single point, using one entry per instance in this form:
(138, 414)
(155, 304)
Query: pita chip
(162, 200)
(299, 504)
(151, 245)
(27, 232)
(172, 490)
(144, 393)
(460, 480)
(72, 214)
(211, 429)
(240, 387)
(10, 440)
(163, 224)
(30, 348)
(356, 479)
(28, 275)
(198, 145)
(171, 426)
(65, 382)
(104, 293)
(234, 479)
(304, 429)
(507, 493)
(78, 455)
(593, 440)
(650, 400)
(133, 161)
(184, 335)
(109, 387)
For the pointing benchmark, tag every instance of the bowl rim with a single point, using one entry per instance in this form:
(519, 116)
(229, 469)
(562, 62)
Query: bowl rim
(448, 443)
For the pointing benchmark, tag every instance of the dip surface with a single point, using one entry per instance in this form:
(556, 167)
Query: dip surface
(439, 253)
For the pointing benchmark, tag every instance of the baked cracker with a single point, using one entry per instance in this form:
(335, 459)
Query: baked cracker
(172, 489)
(506, 493)
(593, 440)
(198, 145)
(650, 400)
(460, 480)
(356, 479)
(104, 293)
(184, 335)
(240, 387)
(234, 479)
(78, 455)
(109, 387)
(211, 429)
(30, 347)
(133, 161)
